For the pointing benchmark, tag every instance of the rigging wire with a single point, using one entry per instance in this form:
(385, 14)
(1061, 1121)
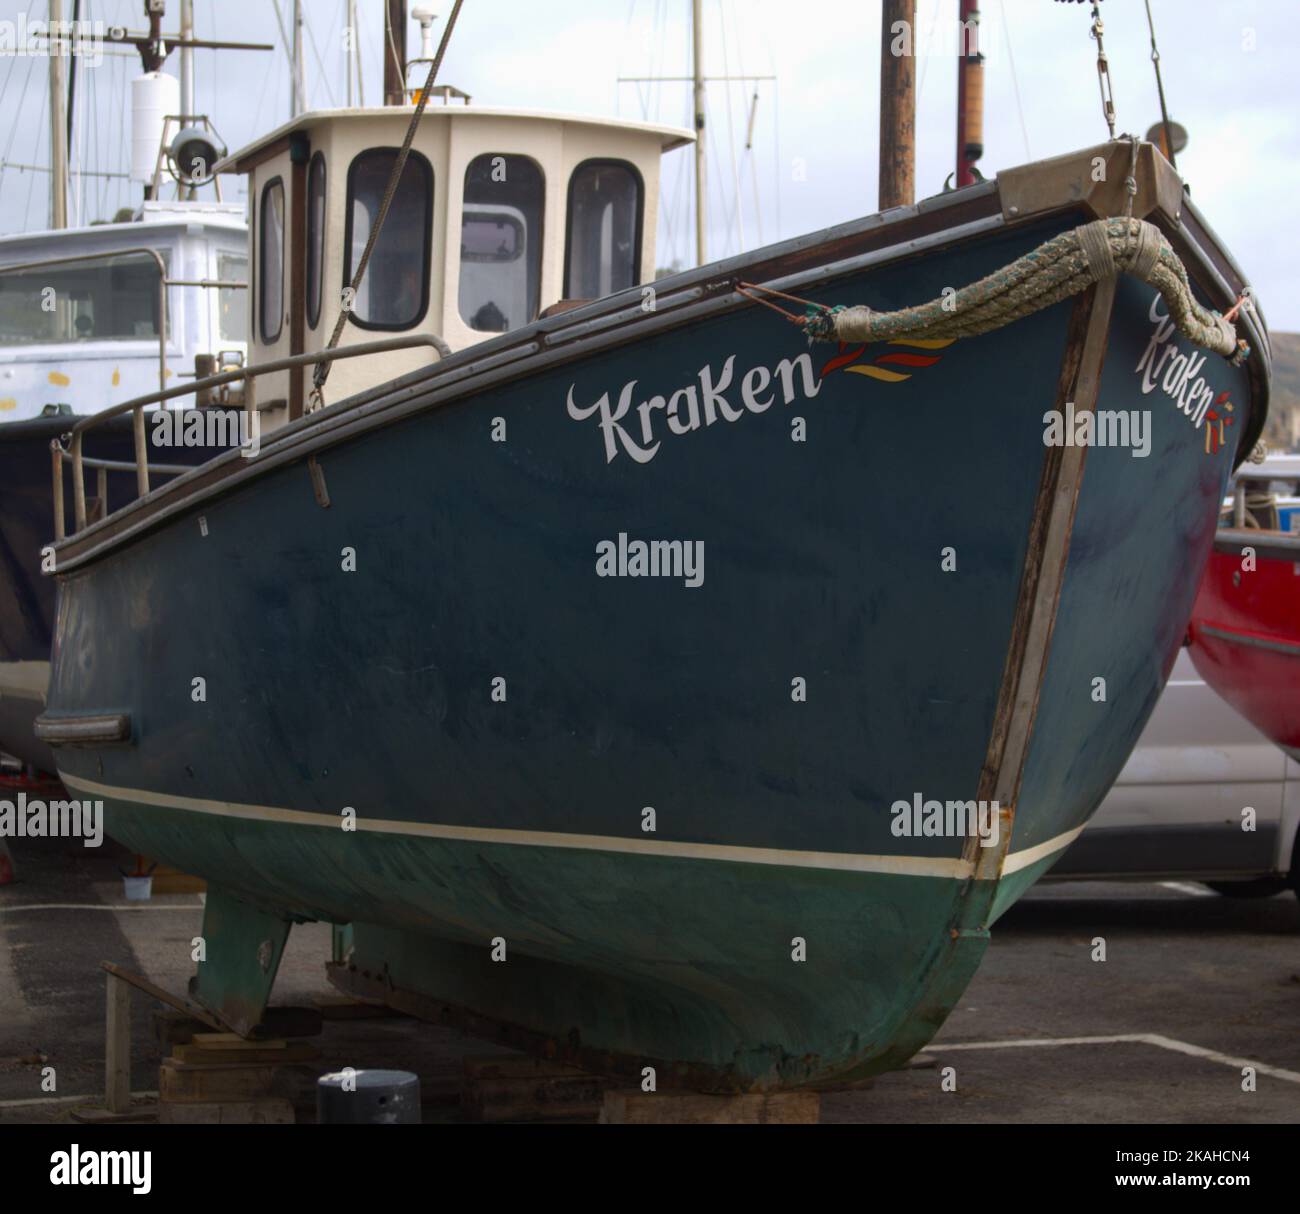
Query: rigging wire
(1015, 78)
(40, 124)
(1160, 88)
(294, 83)
(731, 132)
(322, 371)
(315, 51)
(749, 153)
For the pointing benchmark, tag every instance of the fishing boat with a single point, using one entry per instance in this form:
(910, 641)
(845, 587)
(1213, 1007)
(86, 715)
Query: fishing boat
(1245, 629)
(96, 313)
(562, 656)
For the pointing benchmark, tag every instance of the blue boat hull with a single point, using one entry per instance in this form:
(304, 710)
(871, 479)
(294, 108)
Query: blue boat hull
(438, 654)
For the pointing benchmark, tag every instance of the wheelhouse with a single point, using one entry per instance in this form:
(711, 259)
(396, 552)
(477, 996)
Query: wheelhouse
(499, 216)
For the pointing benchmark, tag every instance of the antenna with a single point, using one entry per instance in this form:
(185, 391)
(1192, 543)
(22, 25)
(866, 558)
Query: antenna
(426, 17)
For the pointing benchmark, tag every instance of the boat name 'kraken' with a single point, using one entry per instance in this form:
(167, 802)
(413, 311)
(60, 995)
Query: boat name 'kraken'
(694, 406)
(1192, 396)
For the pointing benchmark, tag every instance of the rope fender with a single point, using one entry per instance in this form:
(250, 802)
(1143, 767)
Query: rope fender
(1058, 269)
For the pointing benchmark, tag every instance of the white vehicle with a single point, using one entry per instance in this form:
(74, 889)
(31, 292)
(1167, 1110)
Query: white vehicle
(1180, 804)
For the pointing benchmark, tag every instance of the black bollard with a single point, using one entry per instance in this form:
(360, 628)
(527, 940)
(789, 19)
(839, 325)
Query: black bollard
(349, 1097)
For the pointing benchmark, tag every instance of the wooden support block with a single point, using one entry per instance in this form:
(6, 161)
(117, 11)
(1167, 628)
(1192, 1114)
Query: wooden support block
(138, 1113)
(233, 1041)
(117, 1046)
(693, 1108)
(213, 1082)
(247, 1052)
(512, 1088)
(270, 1110)
(173, 1028)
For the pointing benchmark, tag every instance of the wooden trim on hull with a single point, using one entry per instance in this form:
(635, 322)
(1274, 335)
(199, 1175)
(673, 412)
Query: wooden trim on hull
(1028, 650)
(1044, 575)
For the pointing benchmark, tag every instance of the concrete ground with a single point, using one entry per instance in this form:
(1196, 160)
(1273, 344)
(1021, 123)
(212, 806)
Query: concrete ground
(1193, 988)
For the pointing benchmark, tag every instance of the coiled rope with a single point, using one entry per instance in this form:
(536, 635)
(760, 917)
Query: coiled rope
(1059, 268)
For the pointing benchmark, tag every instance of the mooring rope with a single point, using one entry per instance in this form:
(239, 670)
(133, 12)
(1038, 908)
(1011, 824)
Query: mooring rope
(1059, 268)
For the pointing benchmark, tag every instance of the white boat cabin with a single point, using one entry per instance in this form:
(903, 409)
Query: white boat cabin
(80, 323)
(499, 215)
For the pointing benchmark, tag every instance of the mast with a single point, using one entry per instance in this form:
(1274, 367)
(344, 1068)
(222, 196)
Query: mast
(187, 59)
(701, 183)
(394, 52)
(297, 84)
(72, 70)
(897, 104)
(970, 94)
(58, 119)
(352, 34)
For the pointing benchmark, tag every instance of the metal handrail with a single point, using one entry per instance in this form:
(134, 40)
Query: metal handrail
(102, 467)
(137, 405)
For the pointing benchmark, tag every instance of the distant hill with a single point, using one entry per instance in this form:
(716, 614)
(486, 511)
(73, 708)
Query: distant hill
(1283, 430)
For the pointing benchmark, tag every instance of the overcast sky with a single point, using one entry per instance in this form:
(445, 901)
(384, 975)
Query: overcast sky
(1231, 68)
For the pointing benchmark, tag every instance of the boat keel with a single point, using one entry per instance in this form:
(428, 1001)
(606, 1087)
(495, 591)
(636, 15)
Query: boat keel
(242, 950)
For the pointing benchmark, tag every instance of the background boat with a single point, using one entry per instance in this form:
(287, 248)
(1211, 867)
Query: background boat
(1245, 629)
(97, 314)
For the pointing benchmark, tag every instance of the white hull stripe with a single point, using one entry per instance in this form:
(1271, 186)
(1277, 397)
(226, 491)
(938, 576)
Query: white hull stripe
(908, 866)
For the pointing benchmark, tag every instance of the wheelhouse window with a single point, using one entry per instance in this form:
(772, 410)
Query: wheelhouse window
(501, 243)
(270, 269)
(394, 294)
(315, 236)
(232, 302)
(107, 299)
(603, 248)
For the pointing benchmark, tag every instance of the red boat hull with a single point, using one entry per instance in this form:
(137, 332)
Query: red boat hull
(1245, 635)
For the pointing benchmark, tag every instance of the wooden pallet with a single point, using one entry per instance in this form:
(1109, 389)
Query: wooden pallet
(692, 1108)
(517, 1088)
(220, 1078)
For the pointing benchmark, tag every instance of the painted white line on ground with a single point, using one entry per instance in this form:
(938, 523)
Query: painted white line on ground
(1185, 887)
(99, 906)
(1157, 1039)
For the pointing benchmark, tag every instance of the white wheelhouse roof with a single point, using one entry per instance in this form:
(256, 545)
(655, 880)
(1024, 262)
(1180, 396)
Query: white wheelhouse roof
(670, 136)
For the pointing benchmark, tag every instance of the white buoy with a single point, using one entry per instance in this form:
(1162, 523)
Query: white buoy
(153, 96)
